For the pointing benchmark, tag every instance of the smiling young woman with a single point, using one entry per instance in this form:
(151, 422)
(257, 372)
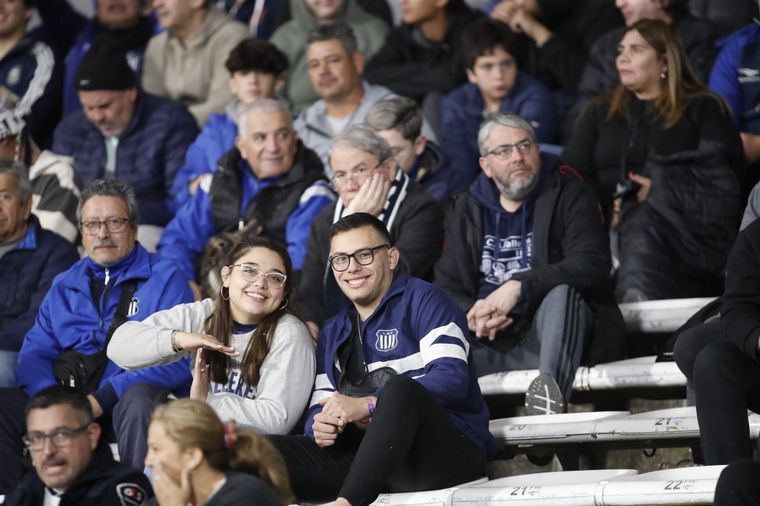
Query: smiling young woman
(253, 359)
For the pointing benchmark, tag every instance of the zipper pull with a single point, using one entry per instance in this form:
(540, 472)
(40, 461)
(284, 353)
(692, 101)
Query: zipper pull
(108, 277)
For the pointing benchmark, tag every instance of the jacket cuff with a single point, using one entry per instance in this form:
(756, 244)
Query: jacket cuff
(106, 397)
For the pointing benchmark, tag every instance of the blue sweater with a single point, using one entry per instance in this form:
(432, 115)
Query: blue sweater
(69, 318)
(27, 273)
(462, 113)
(421, 333)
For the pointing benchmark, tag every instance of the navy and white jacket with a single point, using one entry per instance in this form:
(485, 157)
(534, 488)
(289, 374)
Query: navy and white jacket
(421, 333)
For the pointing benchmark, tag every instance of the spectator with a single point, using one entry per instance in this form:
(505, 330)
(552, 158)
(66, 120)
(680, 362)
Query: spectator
(309, 15)
(738, 485)
(126, 134)
(399, 121)
(417, 421)
(73, 33)
(55, 184)
(30, 70)
(72, 462)
(269, 179)
(496, 84)
(422, 59)
(671, 146)
(261, 356)
(117, 280)
(527, 257)
(335, 68)
(256, 70)
(726, 16)
(217, 464)
(30, 258)
(726, 372)
(186, 61)
(260, 16)
(366, 176)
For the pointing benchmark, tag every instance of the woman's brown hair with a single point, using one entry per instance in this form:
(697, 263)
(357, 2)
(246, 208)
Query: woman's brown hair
(219, 323)
(194, 424)
(680, 83)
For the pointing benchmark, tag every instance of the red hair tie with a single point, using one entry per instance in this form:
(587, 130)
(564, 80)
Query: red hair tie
(229, 434)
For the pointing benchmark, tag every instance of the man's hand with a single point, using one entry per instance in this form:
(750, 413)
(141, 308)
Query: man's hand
(488, 316)
(371, 196)
(196, 289)
(97, 411)
(199, 387)
(751, 144)
(192, 341)
(326, 429)
(195, 183)
(523, 21)
(645, 186)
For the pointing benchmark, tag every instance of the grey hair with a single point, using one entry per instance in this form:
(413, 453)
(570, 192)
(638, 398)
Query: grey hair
(365, 139)
(110, 188)
(502, 119)
(337, 31)
(398, 113)
(261, 105)
(21, 172)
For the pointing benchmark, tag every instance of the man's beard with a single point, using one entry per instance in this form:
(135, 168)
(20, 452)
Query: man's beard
(519, 189)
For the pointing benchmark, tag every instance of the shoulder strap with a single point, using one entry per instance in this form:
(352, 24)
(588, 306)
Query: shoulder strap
(127, 291)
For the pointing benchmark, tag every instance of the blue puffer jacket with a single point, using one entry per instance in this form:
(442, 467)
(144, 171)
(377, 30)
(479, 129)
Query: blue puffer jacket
(27, 273)
(420, 333)
(151, 150)
(736, 76)
(216, 138)
(462, 114)
(70, 319)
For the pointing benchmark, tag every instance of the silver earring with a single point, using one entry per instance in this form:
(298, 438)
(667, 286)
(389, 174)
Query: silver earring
(663, 75)
(284, 304)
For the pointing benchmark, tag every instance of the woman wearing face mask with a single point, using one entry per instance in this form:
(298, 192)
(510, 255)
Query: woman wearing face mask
(197, 460)
(254, 359)
(666, 160)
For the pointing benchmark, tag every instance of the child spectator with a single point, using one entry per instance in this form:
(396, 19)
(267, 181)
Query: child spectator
(496, 84)
(257, 70)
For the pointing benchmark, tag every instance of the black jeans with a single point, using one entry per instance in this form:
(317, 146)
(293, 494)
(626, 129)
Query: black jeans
(739, 485)
(410, 445)
(726, 384)
(689, 345)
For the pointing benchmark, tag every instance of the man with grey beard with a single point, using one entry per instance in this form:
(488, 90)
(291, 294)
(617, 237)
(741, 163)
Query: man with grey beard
(527, 257)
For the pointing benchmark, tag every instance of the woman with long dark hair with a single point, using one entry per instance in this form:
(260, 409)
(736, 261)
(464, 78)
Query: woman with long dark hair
(254, 360)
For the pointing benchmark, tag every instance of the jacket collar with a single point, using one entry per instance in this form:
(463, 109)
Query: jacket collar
(31, 237)
(136, 265)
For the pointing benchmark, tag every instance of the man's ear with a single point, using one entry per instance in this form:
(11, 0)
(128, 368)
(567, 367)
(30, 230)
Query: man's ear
(394, 255)
(93, 433)
(484, 166)
(419, 144)
(358, 59)
(279, 82)
(471, 76)
(238, 144)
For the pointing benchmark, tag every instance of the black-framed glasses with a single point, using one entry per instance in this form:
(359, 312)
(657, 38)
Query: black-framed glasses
(114, 225)
(504, 151)
(60, 438)
(251, 273)
(340, 177)
(365, 256)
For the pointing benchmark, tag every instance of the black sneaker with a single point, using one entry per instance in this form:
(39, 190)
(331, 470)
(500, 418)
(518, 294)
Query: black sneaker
(544, 397)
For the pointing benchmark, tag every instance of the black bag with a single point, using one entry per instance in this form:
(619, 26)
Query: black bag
(83, 372)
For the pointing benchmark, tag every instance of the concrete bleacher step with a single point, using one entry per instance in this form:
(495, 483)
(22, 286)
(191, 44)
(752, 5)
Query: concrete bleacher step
(641, 372)
(441, 497)
(686, 485)
(660, 315)
(538, 429)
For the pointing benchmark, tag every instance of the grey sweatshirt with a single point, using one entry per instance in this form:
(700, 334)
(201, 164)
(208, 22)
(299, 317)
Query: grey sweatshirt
(273, 406)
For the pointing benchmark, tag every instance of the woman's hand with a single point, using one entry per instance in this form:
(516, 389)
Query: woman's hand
(192, 341)
(645, 186)
(347, 409)
(199, 388)
(168, 491)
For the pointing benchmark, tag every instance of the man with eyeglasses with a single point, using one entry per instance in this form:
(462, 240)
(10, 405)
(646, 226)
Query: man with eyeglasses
(116, 281)
(367, 178)
(73, 464)
(527, 256)
(396, 405)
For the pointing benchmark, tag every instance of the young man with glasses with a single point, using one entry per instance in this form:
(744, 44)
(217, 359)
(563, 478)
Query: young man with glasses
(77, 315)
(72, 462)
(396, 404)
(367, 179)
(527, 256)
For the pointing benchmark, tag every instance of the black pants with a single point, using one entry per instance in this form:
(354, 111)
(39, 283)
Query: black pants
(688, 346)
(726, 384)
(739, 485)
(410, 445)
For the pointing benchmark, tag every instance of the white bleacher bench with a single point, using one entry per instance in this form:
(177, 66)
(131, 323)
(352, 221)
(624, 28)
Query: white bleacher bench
(609, 487)
(642, 372)
(660, 315)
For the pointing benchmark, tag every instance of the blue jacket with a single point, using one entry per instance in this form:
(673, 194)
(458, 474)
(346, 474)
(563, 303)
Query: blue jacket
(32, 72)
(216, 138)
(70, 319)
(151, 150)
(736, 76)
(186, 236)
(436, 174)
(429, 342)
(462, 114)
(27, 273)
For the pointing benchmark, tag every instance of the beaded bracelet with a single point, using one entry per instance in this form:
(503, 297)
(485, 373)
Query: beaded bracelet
(371, 407)
(175, 347)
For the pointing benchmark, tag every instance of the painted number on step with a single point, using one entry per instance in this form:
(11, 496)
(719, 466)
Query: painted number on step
(679, 485)
(522, 491)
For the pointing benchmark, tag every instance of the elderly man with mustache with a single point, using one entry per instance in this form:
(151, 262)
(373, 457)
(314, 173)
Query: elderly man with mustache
(118, 280)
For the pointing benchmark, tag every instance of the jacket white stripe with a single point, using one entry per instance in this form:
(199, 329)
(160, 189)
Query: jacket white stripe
(322, 381)
(401, 365)
(42, 76)
(451, 330)
(318, 395)
(443, 350)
